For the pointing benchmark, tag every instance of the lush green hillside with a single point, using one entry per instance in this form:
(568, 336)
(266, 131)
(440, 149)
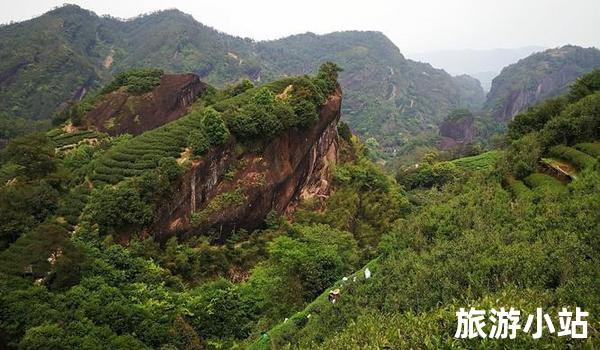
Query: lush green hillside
(509, 235)
(49, 60)
(86, 261)
(54, 58)
(537, 77)
(67, 197)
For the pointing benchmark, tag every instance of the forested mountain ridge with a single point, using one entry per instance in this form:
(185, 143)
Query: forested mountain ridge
(483, 64)
(539, 76)
(64, 53)
(49, 60)
(387, 96)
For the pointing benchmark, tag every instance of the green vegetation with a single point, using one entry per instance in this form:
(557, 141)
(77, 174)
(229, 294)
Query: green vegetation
(519, 189)
(212, 132)
(222, 202)
(12, 127)
(49, 61)
(431, 173)
(136, 155)
(387, 97)
(69, 140)
(135, 81)
(255, 114)
(153, 296)
(81, 265)
(32, 180)
(467, 246)
(261, 113)
(67, 196)
(592, 149)
(539, 180)
(471, 243)
(483, 161)
(580, 159)
(538, 72)
(428, 175)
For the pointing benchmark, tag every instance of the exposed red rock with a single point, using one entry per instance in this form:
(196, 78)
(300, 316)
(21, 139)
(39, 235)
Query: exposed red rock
(456, 132)
(120, 112)
(296, 164)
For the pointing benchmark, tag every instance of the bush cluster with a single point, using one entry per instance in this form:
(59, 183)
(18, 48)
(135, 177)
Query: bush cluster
(136, 81)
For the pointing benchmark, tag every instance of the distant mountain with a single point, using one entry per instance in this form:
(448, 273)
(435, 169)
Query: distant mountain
(481, 64)
(539, 76)
(60, 56)
(387, 96)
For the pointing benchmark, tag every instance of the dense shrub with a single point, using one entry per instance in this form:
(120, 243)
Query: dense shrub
(483, 161)
(578, 122)
(214, 127)
(580, 159)
(136, 81)
(198, 142)
(519, 189)
(467, 246)
(306, 113)
(261, 113)
(327, 77)
(591, 148)
(522, 157)
(427, 175)
(542, 180)
(237, 89)
(585, 85)
(33, 153)
(262, 117)
(344, 131)
(535, 118)
(118, 207)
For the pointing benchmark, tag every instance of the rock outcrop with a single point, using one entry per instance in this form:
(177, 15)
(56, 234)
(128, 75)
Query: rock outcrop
(550, 85)
(121, 112)
(539, 76)
(230, 189)
(456, 131)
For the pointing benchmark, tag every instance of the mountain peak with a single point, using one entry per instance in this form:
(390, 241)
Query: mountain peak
(69, 10)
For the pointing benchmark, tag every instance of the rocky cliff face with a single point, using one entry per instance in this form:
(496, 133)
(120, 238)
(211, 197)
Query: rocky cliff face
(230, 189)
(553, 84)
(539, 76)
(456, 131)
(120, 112)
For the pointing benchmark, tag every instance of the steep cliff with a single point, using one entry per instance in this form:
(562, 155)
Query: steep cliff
(539, 76)
(229, 160)
(456, 129)
(121, 112)
(225, 191)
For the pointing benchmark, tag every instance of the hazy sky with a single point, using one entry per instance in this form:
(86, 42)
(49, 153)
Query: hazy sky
(414, 26)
